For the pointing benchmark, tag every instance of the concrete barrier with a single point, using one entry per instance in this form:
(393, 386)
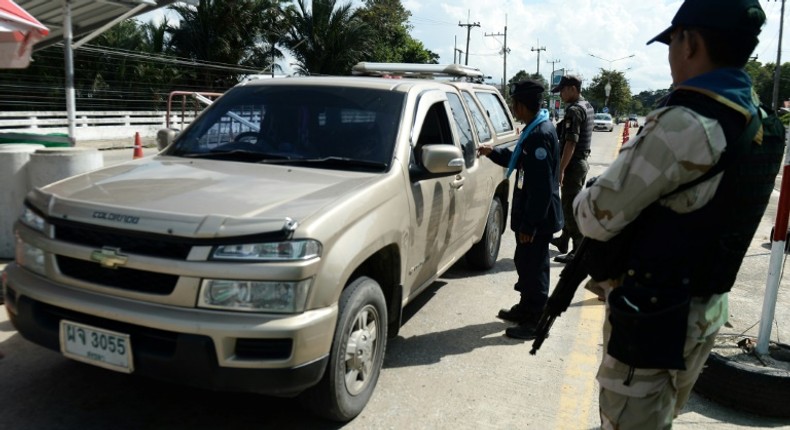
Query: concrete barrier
(14, 184)
(49, 165)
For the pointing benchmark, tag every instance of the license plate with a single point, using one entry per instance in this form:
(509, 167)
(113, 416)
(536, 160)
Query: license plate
(93, 345)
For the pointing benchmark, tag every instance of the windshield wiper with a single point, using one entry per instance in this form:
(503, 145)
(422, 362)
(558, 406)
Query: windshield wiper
(236, 154)
(331, 162)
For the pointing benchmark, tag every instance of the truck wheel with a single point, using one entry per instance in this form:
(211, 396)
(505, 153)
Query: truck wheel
(356, 356)
(483, 254)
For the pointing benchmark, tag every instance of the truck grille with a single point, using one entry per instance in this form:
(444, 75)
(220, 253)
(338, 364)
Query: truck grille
(124, 278)
(130, 242)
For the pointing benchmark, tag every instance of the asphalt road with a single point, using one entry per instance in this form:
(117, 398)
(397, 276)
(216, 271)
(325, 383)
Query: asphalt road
(451, 367)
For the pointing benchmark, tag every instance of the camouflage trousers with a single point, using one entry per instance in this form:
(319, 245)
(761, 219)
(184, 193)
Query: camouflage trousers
(655, 396)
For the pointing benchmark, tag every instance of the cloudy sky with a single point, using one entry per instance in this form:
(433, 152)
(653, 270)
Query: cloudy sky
(573, 32)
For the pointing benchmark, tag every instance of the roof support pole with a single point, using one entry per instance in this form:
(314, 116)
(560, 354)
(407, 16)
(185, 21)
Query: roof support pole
(68, 55)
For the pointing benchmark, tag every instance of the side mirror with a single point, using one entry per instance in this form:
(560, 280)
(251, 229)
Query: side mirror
(442, 158)
(164, 137)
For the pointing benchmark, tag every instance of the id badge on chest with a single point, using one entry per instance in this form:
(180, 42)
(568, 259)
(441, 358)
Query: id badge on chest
(520, 179)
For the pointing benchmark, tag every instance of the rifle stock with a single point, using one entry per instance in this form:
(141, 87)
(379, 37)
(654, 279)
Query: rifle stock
(571, 277)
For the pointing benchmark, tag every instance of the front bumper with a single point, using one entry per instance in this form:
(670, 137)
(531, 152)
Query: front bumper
(230, 351)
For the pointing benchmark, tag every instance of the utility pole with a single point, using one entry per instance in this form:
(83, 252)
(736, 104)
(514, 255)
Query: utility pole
(778, 70)
(552, 62)
(551, 83)
(468, 34)
(542, 48)
(505, 51)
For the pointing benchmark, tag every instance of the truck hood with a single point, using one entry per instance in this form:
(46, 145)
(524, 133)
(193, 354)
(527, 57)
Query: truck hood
(203, 198)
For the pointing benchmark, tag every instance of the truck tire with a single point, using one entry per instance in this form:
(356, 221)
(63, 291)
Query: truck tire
(356, 356)
(760, 390)
(483, 254)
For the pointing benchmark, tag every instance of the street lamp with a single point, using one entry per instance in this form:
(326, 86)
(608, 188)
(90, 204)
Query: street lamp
(607, 89)
(611, 61)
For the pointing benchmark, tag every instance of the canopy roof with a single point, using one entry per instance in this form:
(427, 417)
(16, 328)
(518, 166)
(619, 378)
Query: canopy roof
(87, 16)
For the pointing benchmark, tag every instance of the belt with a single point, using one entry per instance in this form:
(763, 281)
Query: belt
(581, 154)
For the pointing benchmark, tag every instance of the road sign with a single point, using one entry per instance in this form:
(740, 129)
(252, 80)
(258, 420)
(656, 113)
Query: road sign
(556, 76)
(605, 109)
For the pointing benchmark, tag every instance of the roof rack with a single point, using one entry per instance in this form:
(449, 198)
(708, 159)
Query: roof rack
(417, 70)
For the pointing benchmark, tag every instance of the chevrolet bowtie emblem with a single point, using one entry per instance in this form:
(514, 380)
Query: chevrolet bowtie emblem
(109, 258)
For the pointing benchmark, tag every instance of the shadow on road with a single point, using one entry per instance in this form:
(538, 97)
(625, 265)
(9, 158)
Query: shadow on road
(430, 348)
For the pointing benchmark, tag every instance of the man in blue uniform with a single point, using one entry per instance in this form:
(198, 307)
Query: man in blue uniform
(536, 212)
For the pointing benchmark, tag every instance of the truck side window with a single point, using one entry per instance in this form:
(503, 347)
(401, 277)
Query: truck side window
(435, 129)
(496, 111)
(464, 128)
(481, 125)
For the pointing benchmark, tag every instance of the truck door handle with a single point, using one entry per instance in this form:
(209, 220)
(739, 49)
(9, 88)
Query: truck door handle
(458, 182)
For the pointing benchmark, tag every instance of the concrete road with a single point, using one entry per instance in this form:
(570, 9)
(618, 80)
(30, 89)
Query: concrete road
(451, 367)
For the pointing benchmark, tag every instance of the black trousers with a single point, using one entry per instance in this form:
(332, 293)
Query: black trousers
(532, 266)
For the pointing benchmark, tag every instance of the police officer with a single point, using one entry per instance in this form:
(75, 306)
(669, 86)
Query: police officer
(536, 212)
(683, 200)
(575, 131)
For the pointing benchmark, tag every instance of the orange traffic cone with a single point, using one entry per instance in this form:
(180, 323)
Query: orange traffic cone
(138, 146)
(625, 134)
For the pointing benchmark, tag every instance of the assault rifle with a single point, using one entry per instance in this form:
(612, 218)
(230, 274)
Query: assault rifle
(571, 276)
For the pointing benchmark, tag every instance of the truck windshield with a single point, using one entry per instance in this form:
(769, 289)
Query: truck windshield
(297, 122)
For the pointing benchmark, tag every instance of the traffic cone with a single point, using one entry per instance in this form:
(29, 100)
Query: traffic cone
(625, 134)
(138, 146)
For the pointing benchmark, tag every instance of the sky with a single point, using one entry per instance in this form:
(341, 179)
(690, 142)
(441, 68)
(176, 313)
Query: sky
(579, 36)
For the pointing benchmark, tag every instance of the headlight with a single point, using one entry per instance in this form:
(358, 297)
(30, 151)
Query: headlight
(33, 220)
(290, 250)
(254, 296)
(30, 257)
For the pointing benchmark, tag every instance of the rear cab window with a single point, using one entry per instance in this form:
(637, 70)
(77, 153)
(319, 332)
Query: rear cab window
(496, 111)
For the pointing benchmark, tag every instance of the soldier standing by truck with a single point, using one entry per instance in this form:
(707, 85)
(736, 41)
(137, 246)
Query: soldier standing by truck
(680, 204)
(575, 132)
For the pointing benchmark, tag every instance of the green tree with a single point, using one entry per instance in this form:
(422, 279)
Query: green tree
(619, 99)
(326, 38)
(391, 42)
(224, 32)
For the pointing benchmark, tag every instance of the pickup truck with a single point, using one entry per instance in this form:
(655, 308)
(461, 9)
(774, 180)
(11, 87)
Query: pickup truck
(271, 246)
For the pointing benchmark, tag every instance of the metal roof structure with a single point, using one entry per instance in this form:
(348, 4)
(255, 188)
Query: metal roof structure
(86, 16)
(68, 20)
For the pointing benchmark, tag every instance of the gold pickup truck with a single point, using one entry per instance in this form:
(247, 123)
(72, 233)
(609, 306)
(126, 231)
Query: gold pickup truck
(271, 246)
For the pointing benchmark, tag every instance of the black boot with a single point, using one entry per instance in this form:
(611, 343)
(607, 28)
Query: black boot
(516, 313)
(526, 328)
(561, 243)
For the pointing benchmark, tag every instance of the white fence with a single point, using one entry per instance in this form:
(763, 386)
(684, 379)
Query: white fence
(93, 125)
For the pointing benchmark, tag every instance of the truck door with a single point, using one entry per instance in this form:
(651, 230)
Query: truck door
(436, 200)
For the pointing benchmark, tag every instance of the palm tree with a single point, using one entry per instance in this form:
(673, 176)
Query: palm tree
(227, 33)
(325, 38)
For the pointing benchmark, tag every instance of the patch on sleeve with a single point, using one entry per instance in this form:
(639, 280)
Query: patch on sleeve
(540, 153)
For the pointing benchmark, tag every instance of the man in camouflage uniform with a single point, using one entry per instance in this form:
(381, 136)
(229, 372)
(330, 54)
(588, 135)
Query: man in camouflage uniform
(575, 134)
(671, 182)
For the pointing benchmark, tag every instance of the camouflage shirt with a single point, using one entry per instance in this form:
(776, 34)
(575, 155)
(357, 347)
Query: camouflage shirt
(675, 146)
